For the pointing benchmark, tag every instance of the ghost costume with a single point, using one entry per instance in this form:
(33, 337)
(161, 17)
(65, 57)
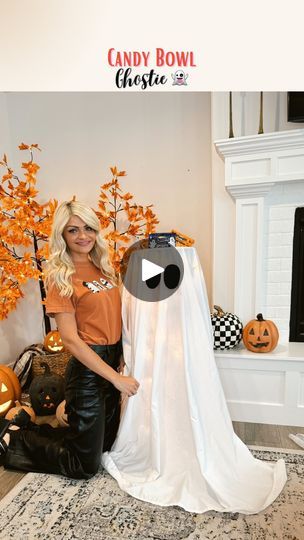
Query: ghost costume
(176, 444)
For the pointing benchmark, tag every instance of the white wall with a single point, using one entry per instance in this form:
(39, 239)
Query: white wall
(245, 106)
(162, 140)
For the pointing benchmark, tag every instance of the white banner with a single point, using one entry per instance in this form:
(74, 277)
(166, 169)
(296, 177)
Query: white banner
(94, 45)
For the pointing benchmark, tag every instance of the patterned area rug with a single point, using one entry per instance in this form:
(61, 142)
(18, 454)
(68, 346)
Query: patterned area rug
(44, 506)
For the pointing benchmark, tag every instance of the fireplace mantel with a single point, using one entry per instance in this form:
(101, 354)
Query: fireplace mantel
(254, 144)
(254, 164)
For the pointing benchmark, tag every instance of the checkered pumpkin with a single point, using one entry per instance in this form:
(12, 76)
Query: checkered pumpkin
(227, 329)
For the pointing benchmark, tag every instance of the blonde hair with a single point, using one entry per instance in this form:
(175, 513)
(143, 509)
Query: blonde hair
(60, 267)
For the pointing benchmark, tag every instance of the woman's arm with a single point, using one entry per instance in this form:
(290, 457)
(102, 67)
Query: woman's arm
(67, 327)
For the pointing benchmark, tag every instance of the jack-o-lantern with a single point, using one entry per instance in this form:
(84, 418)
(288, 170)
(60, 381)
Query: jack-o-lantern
(10, 389)
(53, 342)
(61, 415)
(46, 392)
(260, 335)
(15, 410)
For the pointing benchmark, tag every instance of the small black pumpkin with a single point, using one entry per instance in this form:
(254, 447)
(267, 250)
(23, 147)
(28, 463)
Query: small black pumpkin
(46, 392)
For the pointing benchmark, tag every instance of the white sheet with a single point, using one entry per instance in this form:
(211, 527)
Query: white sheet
(176, 444)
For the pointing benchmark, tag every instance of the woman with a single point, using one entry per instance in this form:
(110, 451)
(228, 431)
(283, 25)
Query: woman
(85, 301)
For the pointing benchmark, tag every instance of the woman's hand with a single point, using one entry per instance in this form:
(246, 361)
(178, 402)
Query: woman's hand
(126, 385)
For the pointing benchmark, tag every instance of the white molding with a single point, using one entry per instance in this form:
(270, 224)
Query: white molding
(248, 257)
(255, 144)
(262, 159)
(250, 190)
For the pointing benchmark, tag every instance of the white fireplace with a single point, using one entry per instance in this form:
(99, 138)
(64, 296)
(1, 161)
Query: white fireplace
(265, 176)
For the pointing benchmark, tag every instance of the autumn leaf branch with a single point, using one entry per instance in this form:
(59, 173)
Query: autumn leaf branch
(127, 222)
(24, 223)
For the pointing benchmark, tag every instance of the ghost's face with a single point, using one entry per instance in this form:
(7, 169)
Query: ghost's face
(180, 77)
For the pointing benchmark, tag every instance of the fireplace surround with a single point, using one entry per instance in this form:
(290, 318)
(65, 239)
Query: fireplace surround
(264, 174)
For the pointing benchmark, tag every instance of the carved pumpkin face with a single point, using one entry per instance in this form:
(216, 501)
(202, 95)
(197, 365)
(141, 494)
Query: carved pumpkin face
(46, 392)
(53, 342)
(10, 389)
(260, 335)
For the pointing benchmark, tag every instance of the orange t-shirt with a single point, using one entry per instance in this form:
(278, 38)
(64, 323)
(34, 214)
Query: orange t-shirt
(95, 302)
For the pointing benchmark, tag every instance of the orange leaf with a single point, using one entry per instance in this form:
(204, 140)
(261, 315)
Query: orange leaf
(108, 184)
(127, 196)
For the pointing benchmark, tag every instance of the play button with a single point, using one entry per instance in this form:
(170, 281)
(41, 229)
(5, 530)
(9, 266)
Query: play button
(150, 269)
(152, 274)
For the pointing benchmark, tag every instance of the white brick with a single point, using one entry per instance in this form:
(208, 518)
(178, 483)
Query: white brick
(278, 300)
(287, 225)
(270, 313)
(279, 251)
(273, 301)
(286, 264)
(285, 288)
(273, 288)
(284, 300)
(274, 264)
(270, 301)
(280, 322)
(281, 212)
(281, 226)
(283, 312)
(274, 277)
(275, 239)
(275, 226)
(285, 276)
(287, 239)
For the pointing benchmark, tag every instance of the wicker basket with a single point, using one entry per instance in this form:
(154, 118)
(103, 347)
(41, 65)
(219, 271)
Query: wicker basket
(57, 363)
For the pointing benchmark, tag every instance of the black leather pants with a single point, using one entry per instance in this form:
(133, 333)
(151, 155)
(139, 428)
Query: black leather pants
(93, 409)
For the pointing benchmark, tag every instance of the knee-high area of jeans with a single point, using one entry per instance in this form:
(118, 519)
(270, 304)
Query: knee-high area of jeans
(93, 409)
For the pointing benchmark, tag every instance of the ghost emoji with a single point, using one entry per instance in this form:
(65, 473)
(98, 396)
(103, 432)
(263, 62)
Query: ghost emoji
(179, 78)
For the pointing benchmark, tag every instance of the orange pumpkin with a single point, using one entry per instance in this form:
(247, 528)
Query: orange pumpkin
(260, 335)
(15, 410)
(10, 389)
(61, 414)
(53, 342)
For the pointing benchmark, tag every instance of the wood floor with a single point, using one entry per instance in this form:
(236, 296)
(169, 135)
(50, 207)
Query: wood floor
(250, 434)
